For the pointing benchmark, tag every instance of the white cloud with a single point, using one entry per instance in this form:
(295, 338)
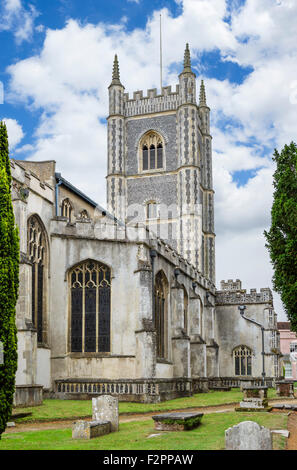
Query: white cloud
(19, 19)
(14, 131)
(68, 82)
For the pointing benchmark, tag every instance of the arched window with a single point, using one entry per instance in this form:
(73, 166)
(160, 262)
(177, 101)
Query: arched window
(37, 253)
(66, 209)
(90, 289)
(242, 360)
(160, 314)
(152, 152)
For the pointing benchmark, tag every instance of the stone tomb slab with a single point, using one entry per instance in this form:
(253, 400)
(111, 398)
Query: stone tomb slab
(89, 429)
(177, 421)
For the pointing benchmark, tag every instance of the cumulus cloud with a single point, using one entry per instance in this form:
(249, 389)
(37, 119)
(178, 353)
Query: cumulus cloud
(14, 131)
(68, 82)
(18, 18)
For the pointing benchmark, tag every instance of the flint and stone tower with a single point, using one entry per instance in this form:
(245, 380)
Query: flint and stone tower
(159, 165)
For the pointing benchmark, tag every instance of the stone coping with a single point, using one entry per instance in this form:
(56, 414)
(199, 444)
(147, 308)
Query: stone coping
(285, 406)
(285, 381)
(180, 416)
(255, 387)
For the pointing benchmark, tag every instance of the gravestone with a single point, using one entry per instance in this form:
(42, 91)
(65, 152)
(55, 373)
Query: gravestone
(179, 421)
(248, 435)
(254, 399)
(1, 353)
(106, 408)
(285, 388)
(89, 429)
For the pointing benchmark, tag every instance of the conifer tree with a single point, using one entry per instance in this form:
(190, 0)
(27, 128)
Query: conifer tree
(282, 236)
(9, 281)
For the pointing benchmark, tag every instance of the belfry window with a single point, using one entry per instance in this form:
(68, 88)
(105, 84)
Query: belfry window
(90, 290)
(242, 361)
(37, 253)
(152, 152)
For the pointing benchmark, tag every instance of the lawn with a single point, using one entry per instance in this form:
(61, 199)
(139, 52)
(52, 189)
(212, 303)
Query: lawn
(210, 435)
(74, 409)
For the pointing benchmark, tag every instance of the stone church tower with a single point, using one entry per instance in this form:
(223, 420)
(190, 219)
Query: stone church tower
(160, 165)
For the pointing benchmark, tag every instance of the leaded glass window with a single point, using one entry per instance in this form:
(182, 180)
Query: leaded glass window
(90, 285)
(242, 360)
(37, 253)
(152, 152)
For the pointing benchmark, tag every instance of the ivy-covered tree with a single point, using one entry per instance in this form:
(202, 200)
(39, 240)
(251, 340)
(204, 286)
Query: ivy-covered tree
(282, 236)
(9, 281)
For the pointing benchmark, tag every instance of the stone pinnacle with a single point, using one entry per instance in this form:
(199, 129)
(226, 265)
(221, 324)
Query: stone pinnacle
(202, 97)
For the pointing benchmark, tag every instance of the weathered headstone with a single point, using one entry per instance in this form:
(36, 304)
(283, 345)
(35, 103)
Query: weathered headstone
(248, 435)
(179, 421)
(106, 408)
(1, 353)
(89, 429)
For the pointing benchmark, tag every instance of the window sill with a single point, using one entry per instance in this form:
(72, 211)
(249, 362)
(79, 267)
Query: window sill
(164, 361)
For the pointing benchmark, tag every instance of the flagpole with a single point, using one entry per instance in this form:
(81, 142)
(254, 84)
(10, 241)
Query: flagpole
(161, 54)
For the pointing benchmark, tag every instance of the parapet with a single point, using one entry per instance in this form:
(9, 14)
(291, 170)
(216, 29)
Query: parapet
(231, 285)
(152, 102)
(240, 296)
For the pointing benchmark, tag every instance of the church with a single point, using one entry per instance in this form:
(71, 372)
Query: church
(122, 300)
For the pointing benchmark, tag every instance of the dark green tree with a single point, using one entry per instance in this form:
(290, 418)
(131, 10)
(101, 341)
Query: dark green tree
(9, 281)
(282, 236)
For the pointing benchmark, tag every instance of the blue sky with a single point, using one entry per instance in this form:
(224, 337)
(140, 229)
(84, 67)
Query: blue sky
(56, 64)
(133, 14)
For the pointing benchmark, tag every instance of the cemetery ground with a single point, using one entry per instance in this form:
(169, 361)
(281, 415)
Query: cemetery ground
(49, 427)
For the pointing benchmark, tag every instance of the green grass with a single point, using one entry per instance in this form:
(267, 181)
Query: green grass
(210, 435)
(73, 409)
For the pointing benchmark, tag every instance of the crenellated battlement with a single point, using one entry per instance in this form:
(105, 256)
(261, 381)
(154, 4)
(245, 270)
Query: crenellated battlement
(152, 102)
(241, 296)
(231, 285)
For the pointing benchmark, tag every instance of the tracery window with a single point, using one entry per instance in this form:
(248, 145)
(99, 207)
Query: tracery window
(160, 314)
(152, 152)
(66, 209)
(37, 253)
(90, 292)
(242, 360)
